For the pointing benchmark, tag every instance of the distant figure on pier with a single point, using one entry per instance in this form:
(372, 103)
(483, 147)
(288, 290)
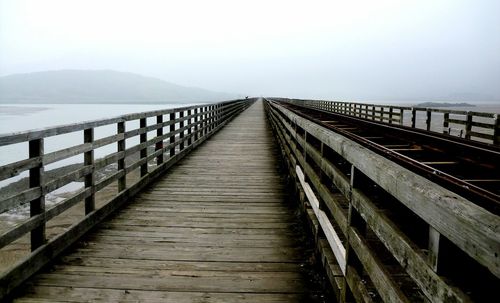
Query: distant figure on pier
(246, 97)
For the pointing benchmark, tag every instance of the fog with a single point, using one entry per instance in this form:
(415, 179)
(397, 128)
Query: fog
(356, 50)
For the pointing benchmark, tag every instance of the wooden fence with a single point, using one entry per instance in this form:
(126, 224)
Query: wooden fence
(383, 232)
(479, 126)
(174, 133)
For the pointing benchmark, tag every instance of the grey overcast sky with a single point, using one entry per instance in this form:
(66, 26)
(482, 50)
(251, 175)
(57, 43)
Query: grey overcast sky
(357, 50)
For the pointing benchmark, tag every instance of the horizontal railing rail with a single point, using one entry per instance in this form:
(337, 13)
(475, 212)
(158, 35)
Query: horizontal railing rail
(161, 143)
(478, 126)
(384, 232)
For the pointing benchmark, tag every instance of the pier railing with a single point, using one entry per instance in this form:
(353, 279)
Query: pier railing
(479, 126)
(383, 232)
(162, 138)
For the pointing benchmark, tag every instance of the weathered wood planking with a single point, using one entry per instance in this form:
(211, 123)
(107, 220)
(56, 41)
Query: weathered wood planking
(366, 212)
(45, 250)
(216, 228)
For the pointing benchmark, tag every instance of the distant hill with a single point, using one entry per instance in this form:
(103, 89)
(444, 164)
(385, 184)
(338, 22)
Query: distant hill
(444, 104)
(98, 86)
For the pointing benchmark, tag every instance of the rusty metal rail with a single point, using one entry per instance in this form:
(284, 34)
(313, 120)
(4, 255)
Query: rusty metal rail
(469, 168)
(470, 125)
(385, 232)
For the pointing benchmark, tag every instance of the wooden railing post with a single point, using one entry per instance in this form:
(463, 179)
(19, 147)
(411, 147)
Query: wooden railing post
(354, 222)
(496, 130)
(196, 119)
(428, 119)
(189, 141)
(446, 123)
(216, 116)
(88, 160)
(413, 117)
(433, 253)
(468, 125)
(203, 123)
(122, 181)
(219, 117)
(391, 111)
(37, 206)
(181, 134)
(144, 150)
(172, 135)
(159, 145)
(207, 120)
(212, 117)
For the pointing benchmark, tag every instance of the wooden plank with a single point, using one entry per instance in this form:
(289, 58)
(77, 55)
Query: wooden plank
(13, 169)
(330, 233)
(208, 281)
(37, 205)
(405, 252)
(51, 294)
(386, 287)
(19, 198)
(21, 229)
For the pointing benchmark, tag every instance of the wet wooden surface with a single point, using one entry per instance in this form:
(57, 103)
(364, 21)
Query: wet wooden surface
(216, 228)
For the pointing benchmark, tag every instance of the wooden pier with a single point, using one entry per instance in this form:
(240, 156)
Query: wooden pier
(244, 201)
(216, 228)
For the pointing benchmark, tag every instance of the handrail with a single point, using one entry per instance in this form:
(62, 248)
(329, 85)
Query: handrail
(478, 126)
(340, 181)
(183, 129)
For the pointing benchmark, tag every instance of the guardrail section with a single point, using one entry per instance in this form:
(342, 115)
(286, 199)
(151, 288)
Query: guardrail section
(383, 232)
(137, 156)
(478, 126)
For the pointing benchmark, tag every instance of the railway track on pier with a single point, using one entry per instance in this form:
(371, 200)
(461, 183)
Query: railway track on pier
(468, 168)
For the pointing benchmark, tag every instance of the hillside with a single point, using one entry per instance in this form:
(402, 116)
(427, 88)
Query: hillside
(98, 86)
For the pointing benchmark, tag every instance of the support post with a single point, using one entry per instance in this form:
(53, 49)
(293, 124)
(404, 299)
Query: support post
(122, 181)
(212, 114)
(413, 117)
(446, 123)
(428, 119)
(88, 160)
(144, 150)
(159, 144)
(181, 134)
(196, 127)
(172, 136)
(496, 131)
(189, 140)
(204, 119)
(468, 125)
(433, 255)
(37, 206)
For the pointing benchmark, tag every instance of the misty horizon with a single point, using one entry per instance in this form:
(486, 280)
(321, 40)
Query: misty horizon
(442, 51)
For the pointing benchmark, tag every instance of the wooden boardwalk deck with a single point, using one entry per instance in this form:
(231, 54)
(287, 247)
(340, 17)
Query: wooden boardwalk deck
(216, 228)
